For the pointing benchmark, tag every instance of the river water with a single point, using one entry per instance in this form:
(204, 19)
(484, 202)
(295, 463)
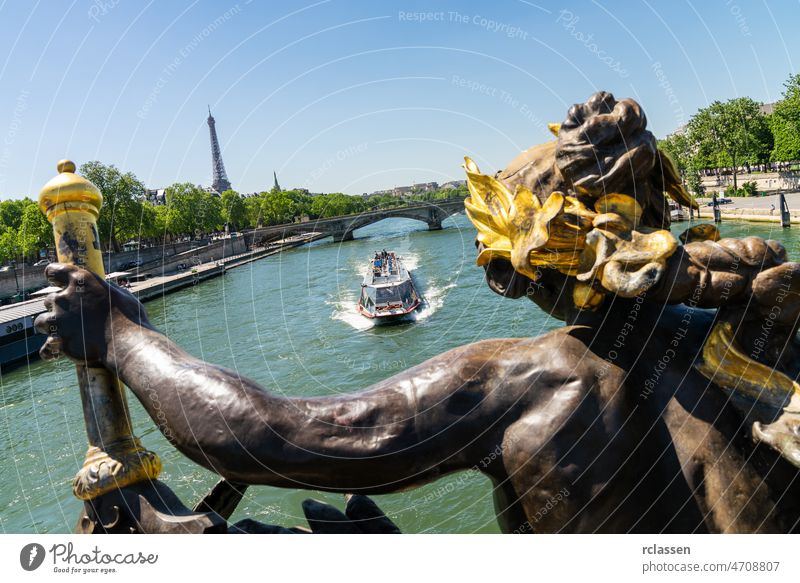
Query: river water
(289, 322)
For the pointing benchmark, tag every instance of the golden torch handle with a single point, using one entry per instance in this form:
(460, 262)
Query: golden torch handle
(115, 458)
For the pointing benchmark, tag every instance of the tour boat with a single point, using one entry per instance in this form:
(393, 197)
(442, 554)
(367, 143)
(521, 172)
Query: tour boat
(387, 292)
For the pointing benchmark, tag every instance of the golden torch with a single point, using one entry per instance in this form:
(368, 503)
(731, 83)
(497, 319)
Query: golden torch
(115, 458)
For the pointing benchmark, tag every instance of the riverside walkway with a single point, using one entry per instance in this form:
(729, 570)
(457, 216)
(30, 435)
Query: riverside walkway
(19, 340)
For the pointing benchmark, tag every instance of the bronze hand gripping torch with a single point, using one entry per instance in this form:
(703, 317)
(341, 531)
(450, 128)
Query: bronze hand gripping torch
(115, 458)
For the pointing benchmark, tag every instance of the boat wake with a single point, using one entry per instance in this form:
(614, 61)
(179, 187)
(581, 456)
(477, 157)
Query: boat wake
(345, 310)
(433, 299)
(344, 302)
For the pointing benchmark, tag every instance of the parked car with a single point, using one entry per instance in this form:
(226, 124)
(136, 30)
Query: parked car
(721, 200)
(42, 262)
(131, 265)
(5, 268)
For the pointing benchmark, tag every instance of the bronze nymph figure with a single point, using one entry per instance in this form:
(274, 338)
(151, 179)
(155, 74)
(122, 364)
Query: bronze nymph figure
(657, 406)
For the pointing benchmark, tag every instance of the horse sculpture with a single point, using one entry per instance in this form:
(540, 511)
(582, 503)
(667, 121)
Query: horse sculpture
(659, 407)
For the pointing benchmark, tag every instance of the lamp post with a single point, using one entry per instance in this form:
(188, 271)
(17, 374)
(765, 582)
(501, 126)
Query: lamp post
(115, 458)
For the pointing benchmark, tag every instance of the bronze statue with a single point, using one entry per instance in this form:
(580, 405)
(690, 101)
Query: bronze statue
(640, 408)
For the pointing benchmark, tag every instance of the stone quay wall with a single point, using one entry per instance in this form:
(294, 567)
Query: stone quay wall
(155, 260)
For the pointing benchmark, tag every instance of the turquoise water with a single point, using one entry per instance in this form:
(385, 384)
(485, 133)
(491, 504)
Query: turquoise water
(290, 323)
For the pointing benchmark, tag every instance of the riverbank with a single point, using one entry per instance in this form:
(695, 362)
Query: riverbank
(159, 286)
(738, 215)
(763, 209)
(19, 342)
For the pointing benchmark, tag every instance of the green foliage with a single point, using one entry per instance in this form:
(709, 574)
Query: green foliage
(121, 213)
(441, 194)
(150, 227)
(9, 245)
(11, 213)
(785, 122)
(161, 215)
(277, 207)
(24, 230)
(301, 202)
(192, 210)
(730, 133)
(747, 189)
(337, 204)
(189, 210)
(35, 232)
(679, 149)
(234, 211)
(695, 184)
(252, 205)
(383, 201)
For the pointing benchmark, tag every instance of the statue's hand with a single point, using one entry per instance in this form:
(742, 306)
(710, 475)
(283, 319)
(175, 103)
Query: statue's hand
(361, 516)
(79, 319)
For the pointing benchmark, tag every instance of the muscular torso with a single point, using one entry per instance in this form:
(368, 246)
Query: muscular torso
(627, 437)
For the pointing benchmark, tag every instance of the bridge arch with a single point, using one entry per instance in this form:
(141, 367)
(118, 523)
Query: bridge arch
(430, 214)
(341, 228)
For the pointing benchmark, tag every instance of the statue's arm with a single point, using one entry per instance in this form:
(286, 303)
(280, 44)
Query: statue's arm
(751, 272)
(381, 439)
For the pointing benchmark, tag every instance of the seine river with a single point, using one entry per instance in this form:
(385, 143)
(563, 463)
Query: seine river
(290, 323)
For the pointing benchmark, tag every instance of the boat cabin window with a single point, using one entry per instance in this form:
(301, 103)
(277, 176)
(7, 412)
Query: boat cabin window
(386, 294)
(401, 293)
(406, 293)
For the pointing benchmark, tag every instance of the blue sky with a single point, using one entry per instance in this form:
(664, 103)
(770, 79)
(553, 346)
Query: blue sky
(355, 96)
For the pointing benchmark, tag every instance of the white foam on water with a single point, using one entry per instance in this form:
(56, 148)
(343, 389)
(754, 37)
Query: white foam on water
(411, 262)
(433, 299)
(345, 310)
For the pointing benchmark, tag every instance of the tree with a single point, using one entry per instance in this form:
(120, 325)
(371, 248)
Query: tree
(150, 227)
(277, 207)
(11, 213)
(24, 230)
(122, 199)
(785, 122)
(9, 247)
(234, 211)
(337, 204)
(255, 217)
(161, 217)
(192, 210)
(730, 134)
(210, 212)
(35, 231)
(301, 202)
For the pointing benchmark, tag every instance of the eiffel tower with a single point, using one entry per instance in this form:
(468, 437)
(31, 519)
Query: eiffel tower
(219, 179)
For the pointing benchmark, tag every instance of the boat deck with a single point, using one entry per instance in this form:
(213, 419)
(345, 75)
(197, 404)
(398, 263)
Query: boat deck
(386, 268)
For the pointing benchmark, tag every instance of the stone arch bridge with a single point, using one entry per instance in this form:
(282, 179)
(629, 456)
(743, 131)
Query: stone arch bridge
(341, 228)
